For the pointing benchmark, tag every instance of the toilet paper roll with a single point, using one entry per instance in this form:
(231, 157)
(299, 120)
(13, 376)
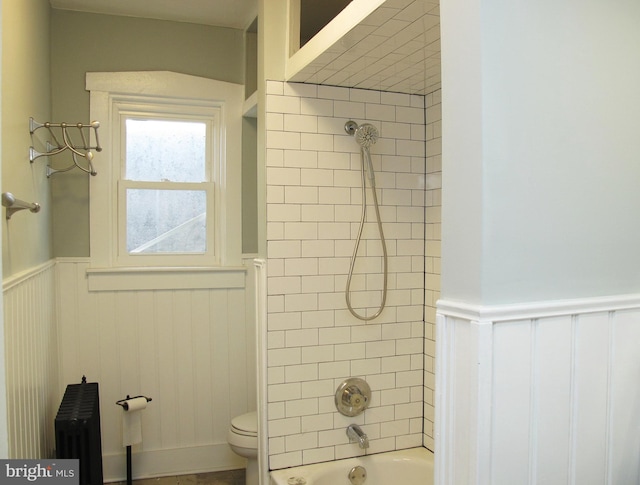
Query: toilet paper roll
(132, 420)
(135, 404)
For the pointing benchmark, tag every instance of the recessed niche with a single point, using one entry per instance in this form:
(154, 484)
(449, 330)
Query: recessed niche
(308, 17)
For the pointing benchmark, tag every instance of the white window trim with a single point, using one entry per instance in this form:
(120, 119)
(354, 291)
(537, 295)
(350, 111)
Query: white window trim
(106, 88)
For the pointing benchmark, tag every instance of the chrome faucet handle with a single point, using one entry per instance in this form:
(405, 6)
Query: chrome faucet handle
(352, 396)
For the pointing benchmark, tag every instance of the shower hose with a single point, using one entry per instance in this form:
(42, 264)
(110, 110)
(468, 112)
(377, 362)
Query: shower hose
(366, 159)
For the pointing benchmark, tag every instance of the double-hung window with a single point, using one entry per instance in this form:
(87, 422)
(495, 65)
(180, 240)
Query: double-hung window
(169, 163)
(167, 192)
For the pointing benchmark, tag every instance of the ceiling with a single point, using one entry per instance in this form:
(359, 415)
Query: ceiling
(237, 14)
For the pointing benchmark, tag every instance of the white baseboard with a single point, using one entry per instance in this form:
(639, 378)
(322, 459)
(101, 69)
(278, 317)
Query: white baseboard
(168, 462)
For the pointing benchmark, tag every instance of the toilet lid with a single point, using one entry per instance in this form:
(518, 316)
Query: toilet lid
(246, 424)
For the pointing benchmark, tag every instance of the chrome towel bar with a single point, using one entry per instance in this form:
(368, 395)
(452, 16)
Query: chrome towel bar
(14, 205)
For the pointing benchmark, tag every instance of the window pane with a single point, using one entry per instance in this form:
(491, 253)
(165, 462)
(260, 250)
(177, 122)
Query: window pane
(161, 150)
(166, 221)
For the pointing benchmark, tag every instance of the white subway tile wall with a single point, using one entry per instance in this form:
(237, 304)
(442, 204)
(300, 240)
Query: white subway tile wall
(313, 213)
(432, 253)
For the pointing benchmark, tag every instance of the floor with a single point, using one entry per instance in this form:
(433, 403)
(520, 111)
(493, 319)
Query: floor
(231, 477)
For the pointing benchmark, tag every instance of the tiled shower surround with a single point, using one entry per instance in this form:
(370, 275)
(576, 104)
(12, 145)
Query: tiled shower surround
(313, 212)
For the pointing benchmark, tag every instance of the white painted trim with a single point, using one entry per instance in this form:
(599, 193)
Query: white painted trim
(465, 412)
(441, 426)
(154, 278)
(525, 311)
(482, 370)
(131, 278)
(146, 83)
(261, 361)
(105, 89)
(19, 278)
(293, 32)
(73, 259)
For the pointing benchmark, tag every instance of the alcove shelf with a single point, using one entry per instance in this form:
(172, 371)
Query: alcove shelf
(387, 45)
(250, 106)
(337, 29)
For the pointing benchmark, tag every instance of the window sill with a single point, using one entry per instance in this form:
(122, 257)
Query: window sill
(141, 278)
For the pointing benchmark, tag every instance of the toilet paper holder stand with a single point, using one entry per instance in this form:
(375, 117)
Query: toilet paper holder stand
(125, 406)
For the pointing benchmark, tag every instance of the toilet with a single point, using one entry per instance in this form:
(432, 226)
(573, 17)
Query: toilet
(243, 440)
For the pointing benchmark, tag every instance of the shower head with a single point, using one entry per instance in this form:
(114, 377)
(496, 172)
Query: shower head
(366, 135)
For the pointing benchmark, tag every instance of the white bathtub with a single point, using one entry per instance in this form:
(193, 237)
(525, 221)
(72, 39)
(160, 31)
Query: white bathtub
(413, 466)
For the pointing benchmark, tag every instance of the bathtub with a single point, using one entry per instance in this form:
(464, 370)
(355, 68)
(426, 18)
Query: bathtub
(413, 466)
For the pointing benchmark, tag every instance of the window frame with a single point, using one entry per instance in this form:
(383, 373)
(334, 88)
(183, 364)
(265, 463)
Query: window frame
(112, 94)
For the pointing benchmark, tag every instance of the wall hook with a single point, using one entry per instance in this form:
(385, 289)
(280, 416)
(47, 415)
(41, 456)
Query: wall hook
(64, 142)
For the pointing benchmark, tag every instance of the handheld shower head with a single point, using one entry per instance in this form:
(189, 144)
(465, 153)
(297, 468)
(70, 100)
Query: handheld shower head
(366, 135)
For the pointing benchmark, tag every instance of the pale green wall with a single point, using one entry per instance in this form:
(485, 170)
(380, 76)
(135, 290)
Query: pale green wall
(84, 42)
(26, 238)
(251, 63)
(540, 150)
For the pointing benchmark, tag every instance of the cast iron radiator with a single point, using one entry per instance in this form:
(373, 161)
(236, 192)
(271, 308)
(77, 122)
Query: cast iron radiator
(77, 429)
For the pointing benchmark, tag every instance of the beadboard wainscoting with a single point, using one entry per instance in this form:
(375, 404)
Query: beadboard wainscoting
(31, 360)
(313, 212)
(543, 393)
(191, 350)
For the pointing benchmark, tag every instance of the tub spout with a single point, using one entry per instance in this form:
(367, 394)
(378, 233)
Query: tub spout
(356, 435)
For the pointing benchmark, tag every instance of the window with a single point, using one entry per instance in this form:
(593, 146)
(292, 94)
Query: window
(167, 193)
(166, 188)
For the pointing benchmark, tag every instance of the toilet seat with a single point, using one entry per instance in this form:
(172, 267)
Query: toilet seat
(243, 432)
(245, 424)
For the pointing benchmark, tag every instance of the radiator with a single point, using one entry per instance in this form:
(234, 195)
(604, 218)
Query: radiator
(77, 429)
